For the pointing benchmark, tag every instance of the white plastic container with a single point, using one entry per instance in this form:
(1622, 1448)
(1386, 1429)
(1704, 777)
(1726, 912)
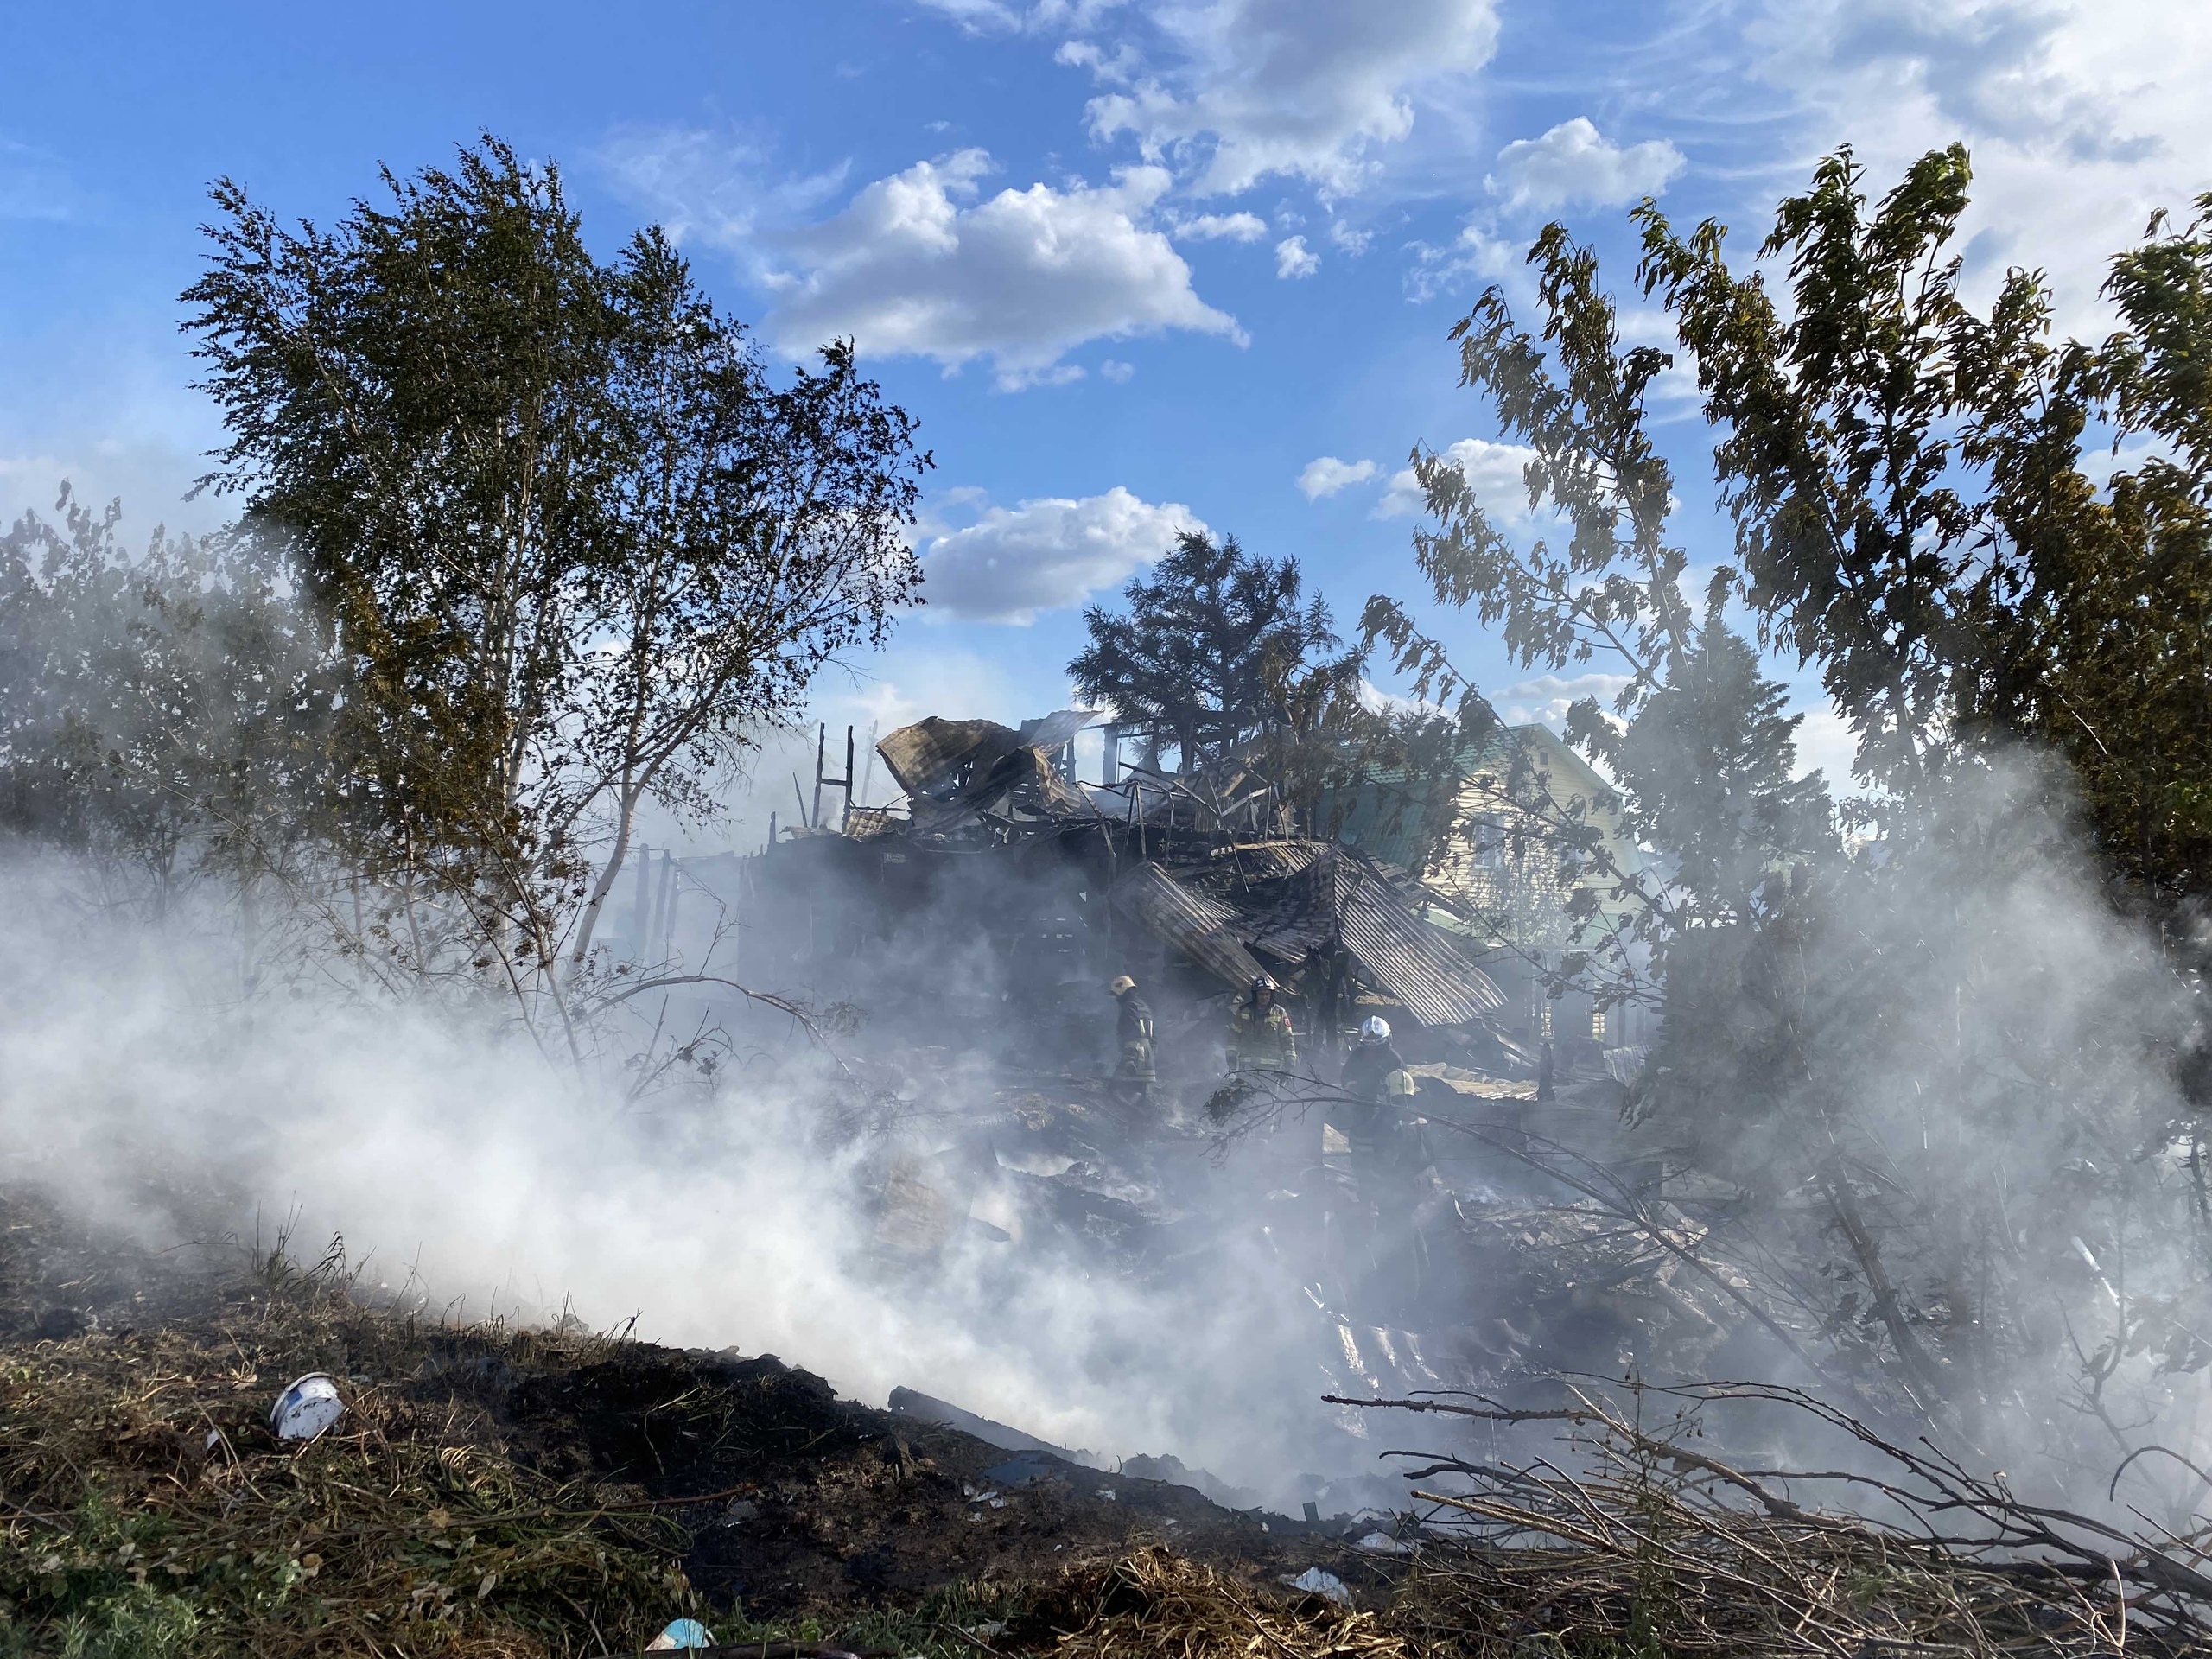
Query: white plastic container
(307, 1408)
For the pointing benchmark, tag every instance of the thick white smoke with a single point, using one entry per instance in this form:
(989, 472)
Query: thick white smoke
(469, 1165)
(1996, 1073)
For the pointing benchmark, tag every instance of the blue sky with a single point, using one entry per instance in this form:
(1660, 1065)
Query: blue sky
(1135, 263)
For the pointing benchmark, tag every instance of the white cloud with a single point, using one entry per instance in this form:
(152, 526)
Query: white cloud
(1350, 240)
(1119, 372)
(1377, 701)
(1826, 744)
(1044, 555)
(1545, 700)
(1009, 17)
(1494, 470)
(1294, 259)
(2083, 117)
(1209, 227)
(1021, 278)
(1999, 69)
(1475, 253)
(713, 187)
(1304, 88)
(1325, 475)
(1575, 164)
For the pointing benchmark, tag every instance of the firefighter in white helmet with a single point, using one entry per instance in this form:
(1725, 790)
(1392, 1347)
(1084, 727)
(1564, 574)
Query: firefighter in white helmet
(1379, 1089)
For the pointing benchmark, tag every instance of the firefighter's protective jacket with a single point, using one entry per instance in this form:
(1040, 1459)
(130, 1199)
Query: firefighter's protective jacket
(1262, 1038)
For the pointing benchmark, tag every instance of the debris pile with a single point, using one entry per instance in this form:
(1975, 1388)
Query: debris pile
(988, 913)
(1653, 1544)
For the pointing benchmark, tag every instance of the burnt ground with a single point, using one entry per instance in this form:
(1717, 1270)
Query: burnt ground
(772, 1493)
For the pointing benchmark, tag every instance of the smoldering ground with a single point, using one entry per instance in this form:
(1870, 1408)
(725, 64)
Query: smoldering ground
(1983, 1080)
(468, 1172)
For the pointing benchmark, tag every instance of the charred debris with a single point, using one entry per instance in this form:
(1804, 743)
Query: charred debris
(974, 930)
(1026, 890)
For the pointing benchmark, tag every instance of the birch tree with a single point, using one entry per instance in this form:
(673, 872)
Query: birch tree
(576, 544)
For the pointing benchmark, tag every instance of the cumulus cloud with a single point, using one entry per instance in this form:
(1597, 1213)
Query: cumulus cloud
(1575, 164)
(2084, 116)
(1301, 88)
(917, 265)
(1209, 227)
(1325, 475)
(1999, 67)
(1047, 554)
(1294, 259)
(1119, 372)
(1545, 700)
(1494, 470)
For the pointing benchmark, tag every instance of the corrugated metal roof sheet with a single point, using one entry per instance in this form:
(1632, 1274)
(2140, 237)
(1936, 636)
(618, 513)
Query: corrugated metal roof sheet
(1197, 926)
(1260, 859)
(1057, 728)
(1396, 951)
(927, 755)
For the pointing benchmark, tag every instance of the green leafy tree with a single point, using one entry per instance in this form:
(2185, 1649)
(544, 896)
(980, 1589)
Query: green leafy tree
(1913, 516)
(1914, 522)
(576, 545)
(162, 711)
(1216, 650)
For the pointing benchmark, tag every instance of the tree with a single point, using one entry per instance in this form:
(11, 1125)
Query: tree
(576, 545)
(1924, 1037)
(1913, 513)
(161, 713)
(1216, 649)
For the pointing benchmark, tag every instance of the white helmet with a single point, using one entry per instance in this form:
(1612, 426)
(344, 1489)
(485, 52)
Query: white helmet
(1375, 1029)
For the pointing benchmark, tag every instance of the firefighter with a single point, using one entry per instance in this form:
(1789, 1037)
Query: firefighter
(1259, 1031)
(1135, 1073)
(1380, 1088)
(1370, 1064)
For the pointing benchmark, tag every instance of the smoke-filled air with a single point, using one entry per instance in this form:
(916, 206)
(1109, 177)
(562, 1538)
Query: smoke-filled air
(1289, 1141)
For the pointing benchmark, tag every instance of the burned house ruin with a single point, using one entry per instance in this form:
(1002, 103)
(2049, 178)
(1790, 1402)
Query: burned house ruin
(1007, 893)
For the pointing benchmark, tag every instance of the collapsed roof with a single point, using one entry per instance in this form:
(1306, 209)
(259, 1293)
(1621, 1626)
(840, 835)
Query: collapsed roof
(1291, 901)
(1233, 906)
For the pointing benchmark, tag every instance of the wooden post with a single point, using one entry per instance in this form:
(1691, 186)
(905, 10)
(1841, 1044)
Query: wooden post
(821, 743)
(822, 777)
